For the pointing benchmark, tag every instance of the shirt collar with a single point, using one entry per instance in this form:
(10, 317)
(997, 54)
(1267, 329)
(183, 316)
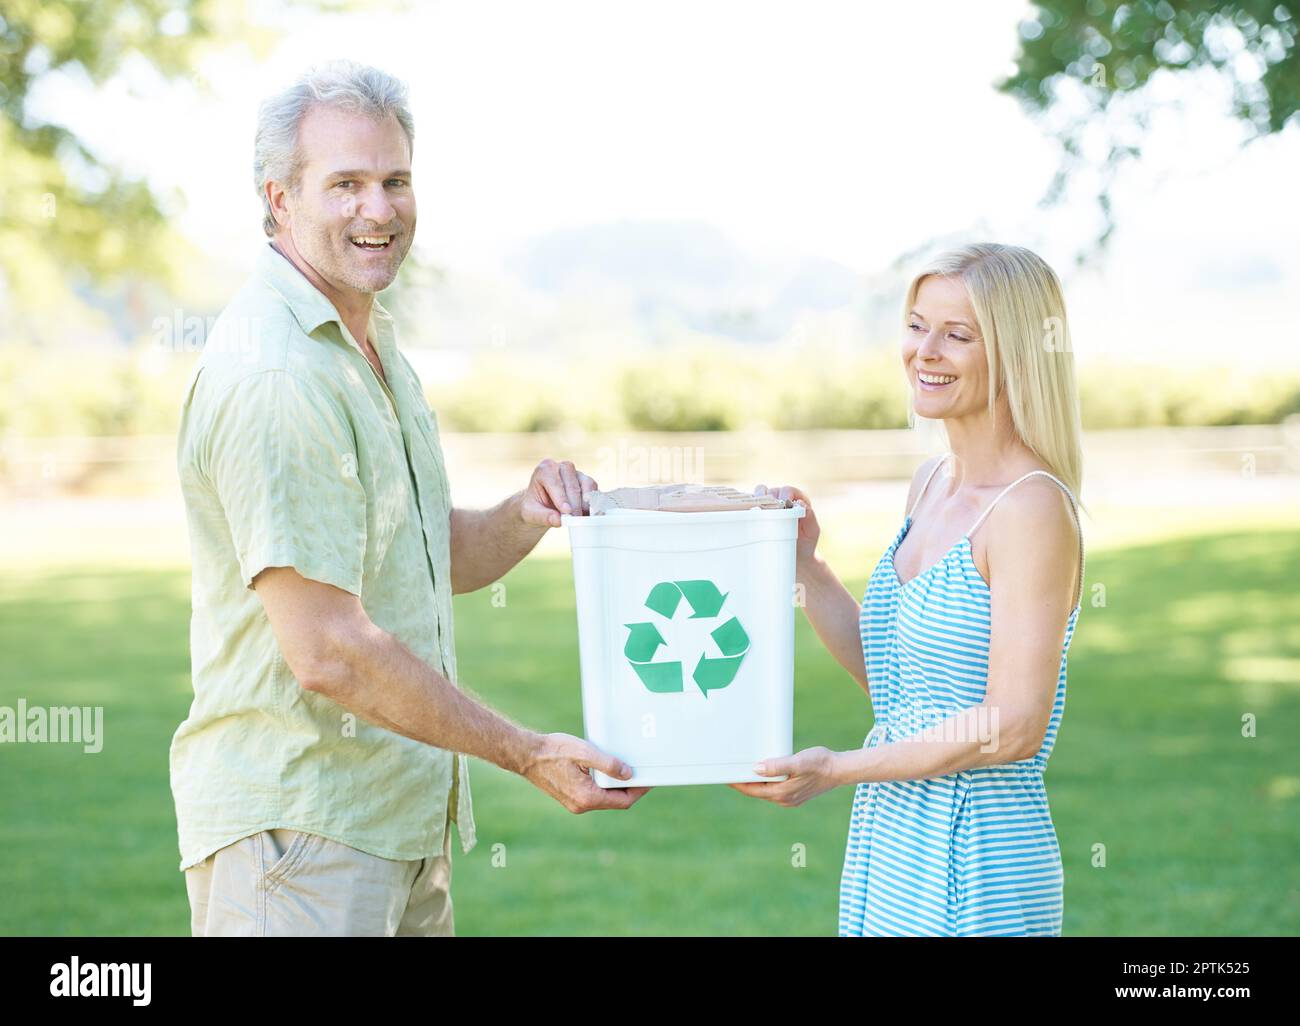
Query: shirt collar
(381, 319)
(309, 305)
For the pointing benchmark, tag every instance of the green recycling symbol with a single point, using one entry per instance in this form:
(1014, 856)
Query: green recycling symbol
(710, 674)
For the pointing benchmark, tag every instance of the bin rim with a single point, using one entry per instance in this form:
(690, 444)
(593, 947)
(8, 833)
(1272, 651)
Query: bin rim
(663, 517)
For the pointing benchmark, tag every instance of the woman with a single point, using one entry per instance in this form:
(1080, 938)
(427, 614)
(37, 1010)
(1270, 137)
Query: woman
(962, 635)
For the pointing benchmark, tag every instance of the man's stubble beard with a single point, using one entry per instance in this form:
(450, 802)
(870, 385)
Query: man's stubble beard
(323, 253)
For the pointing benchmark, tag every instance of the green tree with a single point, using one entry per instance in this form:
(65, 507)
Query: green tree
(64, 212)
(1087, 64)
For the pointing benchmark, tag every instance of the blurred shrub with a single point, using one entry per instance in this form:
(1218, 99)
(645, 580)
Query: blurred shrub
(823, 388)
(691, 385)
(692, 388)
(1117, 395)
(509, 392)
(501, 394)
(91, 391)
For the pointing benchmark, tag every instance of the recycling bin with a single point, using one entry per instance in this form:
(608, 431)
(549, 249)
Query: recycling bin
(686, 640)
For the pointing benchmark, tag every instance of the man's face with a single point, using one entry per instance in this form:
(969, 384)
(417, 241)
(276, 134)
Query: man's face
(354, 189)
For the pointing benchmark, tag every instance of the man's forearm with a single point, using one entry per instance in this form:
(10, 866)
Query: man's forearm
(486, 544)
(375, 676)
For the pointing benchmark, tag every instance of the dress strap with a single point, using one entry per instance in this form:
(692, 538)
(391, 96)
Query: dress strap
(1074, 506)
(942, 460)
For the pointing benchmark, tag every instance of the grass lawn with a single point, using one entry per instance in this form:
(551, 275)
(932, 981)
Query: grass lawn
(1200, 826)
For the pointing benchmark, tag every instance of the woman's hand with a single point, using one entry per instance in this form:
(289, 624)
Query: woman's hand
(809, 530)
(811, 772)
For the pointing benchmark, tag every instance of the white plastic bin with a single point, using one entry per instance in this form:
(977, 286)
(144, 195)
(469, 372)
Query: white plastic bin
(686, 640)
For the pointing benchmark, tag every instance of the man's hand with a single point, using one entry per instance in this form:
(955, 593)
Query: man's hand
(558, 765)
(555, 488)
(487, 544)
(332, 648)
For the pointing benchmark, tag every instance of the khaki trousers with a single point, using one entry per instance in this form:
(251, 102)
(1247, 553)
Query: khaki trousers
(284, 883)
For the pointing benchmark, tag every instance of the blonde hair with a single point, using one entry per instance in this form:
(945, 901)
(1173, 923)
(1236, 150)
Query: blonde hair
(1021, 313)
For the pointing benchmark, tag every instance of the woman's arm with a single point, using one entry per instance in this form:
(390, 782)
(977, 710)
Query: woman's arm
(833, 612)
(1032, 556)
(830, 608)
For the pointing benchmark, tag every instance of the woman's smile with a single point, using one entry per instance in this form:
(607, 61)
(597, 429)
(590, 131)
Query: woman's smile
(934, 382)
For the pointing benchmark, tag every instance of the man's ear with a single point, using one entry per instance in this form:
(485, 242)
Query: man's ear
(277, 196)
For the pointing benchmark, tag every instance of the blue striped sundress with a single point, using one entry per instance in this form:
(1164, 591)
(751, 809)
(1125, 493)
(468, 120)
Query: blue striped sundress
(971, 853)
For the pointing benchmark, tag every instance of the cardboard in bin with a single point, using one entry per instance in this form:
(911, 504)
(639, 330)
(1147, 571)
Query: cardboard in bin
(686, 637)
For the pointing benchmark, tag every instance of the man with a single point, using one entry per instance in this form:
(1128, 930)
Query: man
(323, 758)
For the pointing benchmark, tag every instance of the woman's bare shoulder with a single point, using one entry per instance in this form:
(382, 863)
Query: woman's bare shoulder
(919, 478)
(1035, 521)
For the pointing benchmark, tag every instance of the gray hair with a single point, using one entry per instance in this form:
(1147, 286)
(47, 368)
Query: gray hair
(343, 84)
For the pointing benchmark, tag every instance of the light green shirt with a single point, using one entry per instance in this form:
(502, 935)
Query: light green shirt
(293, 452)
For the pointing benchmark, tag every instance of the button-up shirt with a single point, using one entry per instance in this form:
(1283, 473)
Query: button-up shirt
(293, 452)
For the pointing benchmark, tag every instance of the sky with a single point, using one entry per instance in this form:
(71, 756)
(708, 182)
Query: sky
(846, 131)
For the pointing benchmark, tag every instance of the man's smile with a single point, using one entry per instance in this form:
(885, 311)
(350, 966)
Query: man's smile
(373, 243)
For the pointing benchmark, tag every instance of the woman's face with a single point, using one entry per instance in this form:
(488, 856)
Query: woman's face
(941, 342)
